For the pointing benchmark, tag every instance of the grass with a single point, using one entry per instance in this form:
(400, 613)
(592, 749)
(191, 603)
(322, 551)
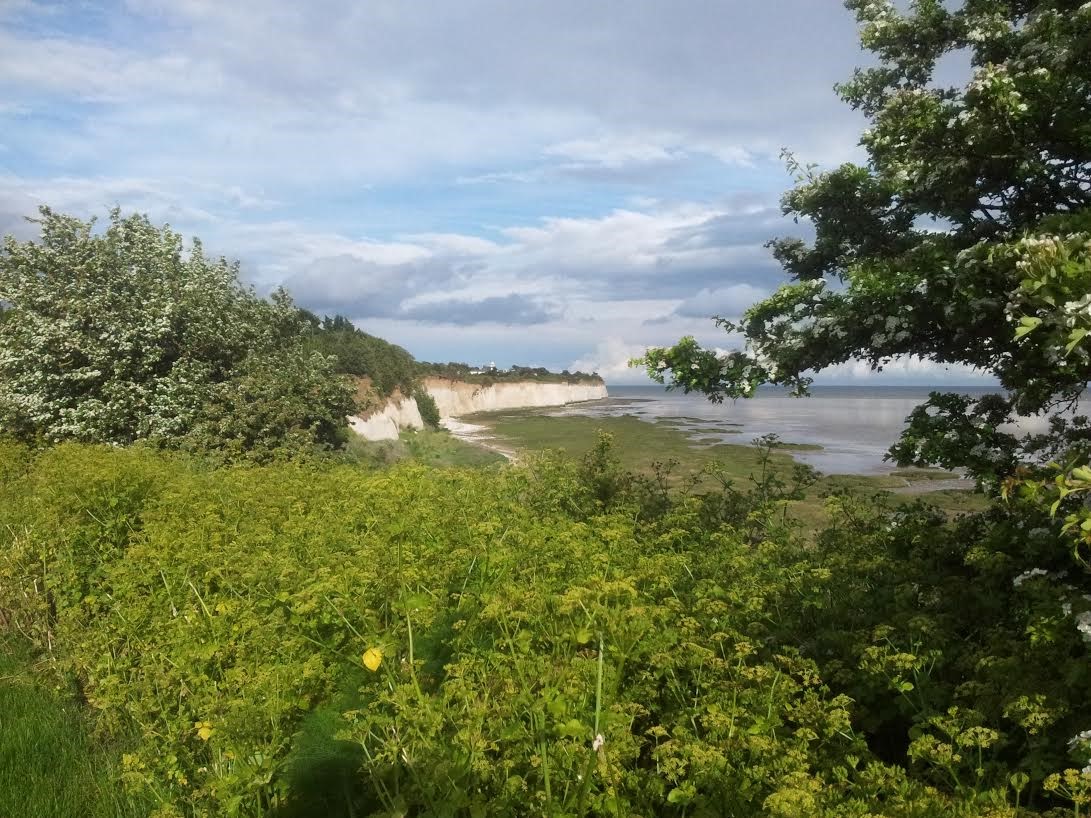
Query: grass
(639, 443)
(430, 447)
(50, 767)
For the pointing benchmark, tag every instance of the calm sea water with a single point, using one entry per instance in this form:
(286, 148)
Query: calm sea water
(855, 425)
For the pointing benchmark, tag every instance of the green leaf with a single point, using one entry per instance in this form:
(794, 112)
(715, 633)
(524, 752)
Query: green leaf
(683, 794)
(1074, 338)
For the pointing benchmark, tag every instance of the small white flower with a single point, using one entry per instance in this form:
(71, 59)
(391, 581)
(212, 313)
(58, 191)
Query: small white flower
(1080, 738)
(598, 743)
(1083, 625)
(1023, 577)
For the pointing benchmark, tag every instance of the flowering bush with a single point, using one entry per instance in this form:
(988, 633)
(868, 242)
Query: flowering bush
(126, 335)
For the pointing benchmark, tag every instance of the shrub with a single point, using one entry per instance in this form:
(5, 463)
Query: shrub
(429, 412)
(126, 335)
(299, 639)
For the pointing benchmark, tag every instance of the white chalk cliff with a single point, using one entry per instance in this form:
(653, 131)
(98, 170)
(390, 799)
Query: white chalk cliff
(398, 413)
(455, 398)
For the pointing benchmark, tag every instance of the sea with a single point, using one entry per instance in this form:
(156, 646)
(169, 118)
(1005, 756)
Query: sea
(854, 425)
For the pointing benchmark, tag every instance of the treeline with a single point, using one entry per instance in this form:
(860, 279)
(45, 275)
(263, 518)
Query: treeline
(478, 374)
(387, 366)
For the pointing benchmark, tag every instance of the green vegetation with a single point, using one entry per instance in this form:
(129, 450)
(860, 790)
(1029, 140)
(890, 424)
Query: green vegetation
(50, 764)
(562, 637)
(426, 447)
(426, 405)
(682, 460)
(487, 377)
(965, 239)
(386, 366)
(126, 335)
(202, 618)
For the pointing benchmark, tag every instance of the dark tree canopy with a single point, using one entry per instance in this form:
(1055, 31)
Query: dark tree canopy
(355, 352)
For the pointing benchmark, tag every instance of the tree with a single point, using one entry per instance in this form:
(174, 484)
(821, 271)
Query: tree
(965, 239)
(388, 366)
(124, 334)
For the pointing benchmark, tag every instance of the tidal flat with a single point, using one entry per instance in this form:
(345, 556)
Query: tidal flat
(639, 445)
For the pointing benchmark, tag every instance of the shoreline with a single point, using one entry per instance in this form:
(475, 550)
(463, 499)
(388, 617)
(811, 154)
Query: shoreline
(476, 435)
(484, 434)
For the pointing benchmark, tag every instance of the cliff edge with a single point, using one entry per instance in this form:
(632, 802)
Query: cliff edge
(455, 398)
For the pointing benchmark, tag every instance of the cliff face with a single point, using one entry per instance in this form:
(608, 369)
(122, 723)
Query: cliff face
(399, 413)
(454, 398)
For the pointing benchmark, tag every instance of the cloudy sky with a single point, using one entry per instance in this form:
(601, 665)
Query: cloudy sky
(546, 182)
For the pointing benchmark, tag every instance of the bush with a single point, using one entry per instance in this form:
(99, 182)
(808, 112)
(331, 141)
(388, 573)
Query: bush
(429, 412)
(553, 638)
(127, 335)
(387, 366)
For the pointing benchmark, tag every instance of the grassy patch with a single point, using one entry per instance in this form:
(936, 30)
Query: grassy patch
(49, 764)
(429, 447)
(801, 447)
(638, 444)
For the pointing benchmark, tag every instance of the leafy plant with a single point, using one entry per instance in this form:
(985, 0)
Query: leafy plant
(126, 335)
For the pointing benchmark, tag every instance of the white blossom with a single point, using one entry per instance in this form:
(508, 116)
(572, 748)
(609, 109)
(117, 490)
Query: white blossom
(1033, 572)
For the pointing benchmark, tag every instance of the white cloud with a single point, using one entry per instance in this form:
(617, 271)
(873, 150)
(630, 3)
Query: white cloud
(385, 160)
(610, 358)
(726, 302)
(614, 152)
(905, 368)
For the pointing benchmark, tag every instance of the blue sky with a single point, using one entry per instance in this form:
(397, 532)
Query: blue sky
(554, 183)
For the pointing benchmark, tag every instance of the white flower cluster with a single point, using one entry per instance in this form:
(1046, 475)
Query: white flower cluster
(1033, 572)
(1082, 741)
(895, 330)
(1083, 625)
(1082, 619)
(765, 361)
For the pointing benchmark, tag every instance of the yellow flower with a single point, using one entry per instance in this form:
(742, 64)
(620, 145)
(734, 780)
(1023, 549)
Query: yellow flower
(373, 657)
(204, 729)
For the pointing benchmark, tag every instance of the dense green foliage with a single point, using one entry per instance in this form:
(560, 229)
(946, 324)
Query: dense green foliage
(966, 239)
(562, 638)
(570, 637)
(124, 334)
(427, 407)
(465, 372)
(387, 366)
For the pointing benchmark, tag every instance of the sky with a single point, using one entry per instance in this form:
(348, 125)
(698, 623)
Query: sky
(554, 183)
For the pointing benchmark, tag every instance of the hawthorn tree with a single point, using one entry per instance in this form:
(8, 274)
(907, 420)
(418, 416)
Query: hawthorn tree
(124, 334)
(965, 239)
